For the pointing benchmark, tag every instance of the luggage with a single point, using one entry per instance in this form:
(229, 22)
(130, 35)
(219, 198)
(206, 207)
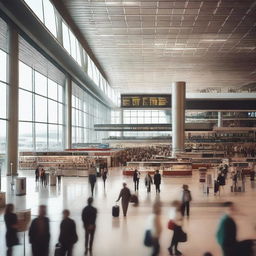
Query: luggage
(115, 211)
(134, 199)
(58, 250)
(148, 240)
(216, 186)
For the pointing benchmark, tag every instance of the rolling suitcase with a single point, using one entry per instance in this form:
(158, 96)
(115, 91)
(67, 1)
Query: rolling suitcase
(58, 250)
(115, 211)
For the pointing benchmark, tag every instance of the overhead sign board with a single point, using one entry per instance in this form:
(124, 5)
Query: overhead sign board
(146, 101)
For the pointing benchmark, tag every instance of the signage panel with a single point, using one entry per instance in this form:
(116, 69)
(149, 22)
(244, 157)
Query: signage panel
(146, 101)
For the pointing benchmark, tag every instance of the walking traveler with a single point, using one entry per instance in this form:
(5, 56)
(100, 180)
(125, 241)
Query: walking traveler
(186, 199)
(39, 233)
(104, 176)
(68, 236)
(175, 224)
(11, 223)
(92, 180)
(89, 215)
(136, 179)
(148, 182)
(226, 233)
(157, 181)
(125, 195)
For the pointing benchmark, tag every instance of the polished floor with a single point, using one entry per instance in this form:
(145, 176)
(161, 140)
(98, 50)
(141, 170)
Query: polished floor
(124, 236)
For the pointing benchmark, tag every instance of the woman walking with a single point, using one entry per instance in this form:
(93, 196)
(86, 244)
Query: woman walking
(175, 224)
(11, 222)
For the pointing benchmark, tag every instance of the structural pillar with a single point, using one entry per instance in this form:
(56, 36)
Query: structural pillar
(13, 102)
(68, 113)
(220, 119)
(178, 117)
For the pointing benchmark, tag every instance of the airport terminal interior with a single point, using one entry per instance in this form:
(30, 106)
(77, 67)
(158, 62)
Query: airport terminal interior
(145, 104)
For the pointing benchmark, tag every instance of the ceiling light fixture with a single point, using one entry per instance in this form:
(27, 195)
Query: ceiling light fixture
(214, 40)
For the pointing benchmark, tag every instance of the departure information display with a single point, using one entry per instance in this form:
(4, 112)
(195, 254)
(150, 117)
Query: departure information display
(146, 101)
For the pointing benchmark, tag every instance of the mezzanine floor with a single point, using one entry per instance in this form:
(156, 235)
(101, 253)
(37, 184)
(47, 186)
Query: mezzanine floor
(124, 236)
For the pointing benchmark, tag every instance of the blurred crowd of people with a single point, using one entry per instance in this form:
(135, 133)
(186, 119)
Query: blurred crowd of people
(142, 154)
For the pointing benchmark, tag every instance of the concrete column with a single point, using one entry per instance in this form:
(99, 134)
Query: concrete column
(68, 113)
(13, 103)
(220, 124)
(178, 117)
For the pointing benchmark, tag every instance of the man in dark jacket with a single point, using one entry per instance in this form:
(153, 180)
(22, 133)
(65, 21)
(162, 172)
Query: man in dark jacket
(89, 216)
(68, 236)
(226, 234)
(39, 233)
(136, 179)
(157, 181)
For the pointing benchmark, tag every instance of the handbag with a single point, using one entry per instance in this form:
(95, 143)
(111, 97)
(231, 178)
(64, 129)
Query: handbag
(182, 236)
(148, 240)
(171, 224)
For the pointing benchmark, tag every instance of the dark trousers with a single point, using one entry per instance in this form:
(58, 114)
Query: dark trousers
(175, 240)
(125, 205)
(40, 249)
(185, 207)
(148, 187)
(66, 250)
(229, 251)
(92, 187)
(157, 188)
(89, 237)
(156, 247)
(136, 184)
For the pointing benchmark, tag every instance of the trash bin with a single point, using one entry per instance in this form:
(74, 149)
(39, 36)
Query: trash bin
(2, 199)
(53, 180)
(20, 186)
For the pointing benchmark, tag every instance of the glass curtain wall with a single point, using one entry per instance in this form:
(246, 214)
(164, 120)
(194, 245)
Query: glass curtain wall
(49, 16)
(146, 117)
(87, 111)
(3, 108)
(115, 119)
(41, 107)
(4, 86)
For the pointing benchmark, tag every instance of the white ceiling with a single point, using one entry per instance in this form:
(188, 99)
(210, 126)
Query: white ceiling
(144, 46)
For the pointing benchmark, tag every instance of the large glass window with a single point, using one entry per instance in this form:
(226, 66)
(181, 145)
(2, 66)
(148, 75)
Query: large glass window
(47, 13)
(40, 112)
(3, 108)
(49, 17)
(36, 7)
(3, 60)
(86, 112)
(146, 117)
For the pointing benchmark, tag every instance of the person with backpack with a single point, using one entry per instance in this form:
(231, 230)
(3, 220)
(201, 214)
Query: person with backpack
(68, 236)
(186, 199)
